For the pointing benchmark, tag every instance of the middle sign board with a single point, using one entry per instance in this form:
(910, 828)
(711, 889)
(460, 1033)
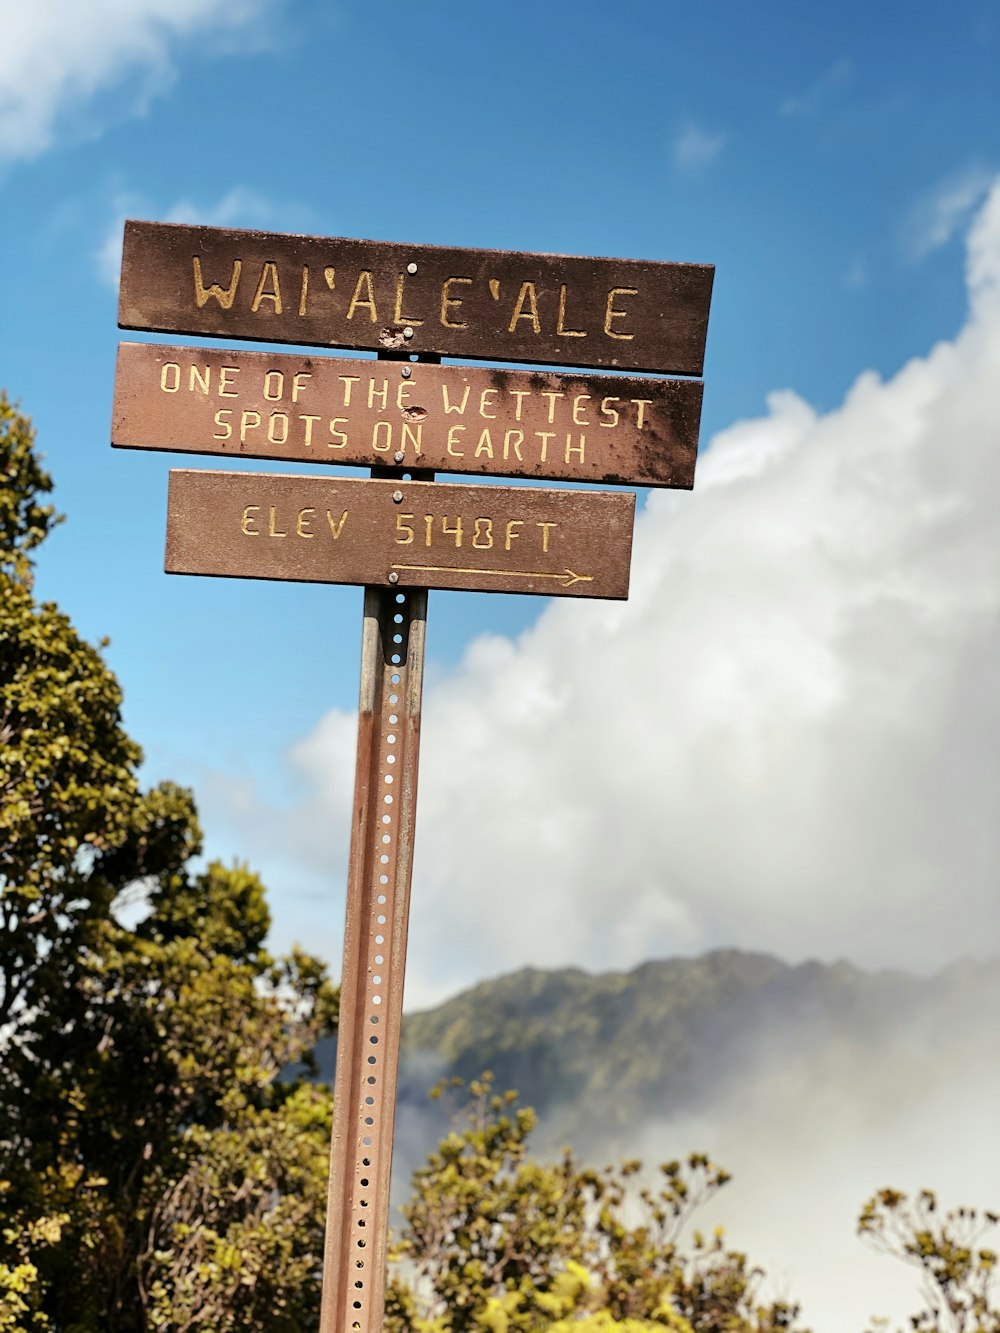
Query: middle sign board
(321, 409)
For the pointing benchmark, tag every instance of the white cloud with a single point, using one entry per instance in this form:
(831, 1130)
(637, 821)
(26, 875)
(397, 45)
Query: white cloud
(56, 55)
(694, 147)
(818, 95)
(945, 210)
(786, 739)
(239, 207)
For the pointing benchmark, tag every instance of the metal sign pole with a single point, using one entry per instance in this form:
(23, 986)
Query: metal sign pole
(376, 925)
(371, 1007)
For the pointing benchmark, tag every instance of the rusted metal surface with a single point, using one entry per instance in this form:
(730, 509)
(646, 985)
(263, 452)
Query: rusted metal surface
(560, 310)
(416, 534)
(541, 425)
(371, 1007)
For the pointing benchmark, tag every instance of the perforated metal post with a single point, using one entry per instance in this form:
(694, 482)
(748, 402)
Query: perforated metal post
(378, 905)
(375, 933)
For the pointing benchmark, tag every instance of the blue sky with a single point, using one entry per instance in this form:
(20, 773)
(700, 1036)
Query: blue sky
(787, 738)
(828, 160)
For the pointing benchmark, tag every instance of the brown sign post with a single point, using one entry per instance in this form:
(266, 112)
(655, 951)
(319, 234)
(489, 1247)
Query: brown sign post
(400, 532)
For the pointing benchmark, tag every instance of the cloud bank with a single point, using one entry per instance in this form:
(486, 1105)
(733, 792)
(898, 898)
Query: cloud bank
(785, 740)
(57, 55)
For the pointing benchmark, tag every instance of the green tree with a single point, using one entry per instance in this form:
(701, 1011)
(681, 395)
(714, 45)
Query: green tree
(496, 1240)
(75, 829)
(155, 1169)
(958, 1273)
(25, 518)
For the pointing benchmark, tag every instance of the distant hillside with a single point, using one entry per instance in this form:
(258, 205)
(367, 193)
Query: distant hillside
(594, 1054)
(599, 1055)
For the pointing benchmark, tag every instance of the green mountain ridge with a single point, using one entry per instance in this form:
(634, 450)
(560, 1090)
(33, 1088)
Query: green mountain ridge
(596, 1054)
(601, 1056)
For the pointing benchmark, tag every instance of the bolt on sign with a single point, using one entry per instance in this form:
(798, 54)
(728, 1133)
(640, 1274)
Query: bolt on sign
(399, 532)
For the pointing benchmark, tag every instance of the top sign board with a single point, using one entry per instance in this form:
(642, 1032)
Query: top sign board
(558, 310)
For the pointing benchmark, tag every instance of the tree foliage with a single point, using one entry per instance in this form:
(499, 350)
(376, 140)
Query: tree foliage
(25, 519)
(75, 828)
(156, 1171)
(496, 1240)
(958, 1273)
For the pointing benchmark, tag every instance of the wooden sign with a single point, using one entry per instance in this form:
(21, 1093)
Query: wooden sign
(558, 310)
(402, 534)
(322, 409)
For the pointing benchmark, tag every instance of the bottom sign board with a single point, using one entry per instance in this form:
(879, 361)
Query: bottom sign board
(411, 534)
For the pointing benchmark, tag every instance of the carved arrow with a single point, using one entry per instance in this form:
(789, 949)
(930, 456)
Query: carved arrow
(567, 577)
